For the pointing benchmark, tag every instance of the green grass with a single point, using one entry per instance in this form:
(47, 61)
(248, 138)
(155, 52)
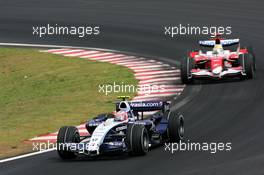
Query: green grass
(39, 92)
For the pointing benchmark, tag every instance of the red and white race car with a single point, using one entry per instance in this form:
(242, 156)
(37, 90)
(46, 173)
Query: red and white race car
(218, 63)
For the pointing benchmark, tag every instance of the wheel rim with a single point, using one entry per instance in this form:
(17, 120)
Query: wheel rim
(181, 128)
(76, 138)
(145, 143)
(252, 71)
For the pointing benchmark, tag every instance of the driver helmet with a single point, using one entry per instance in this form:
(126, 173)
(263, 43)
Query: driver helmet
(218, 46)
(121, 116)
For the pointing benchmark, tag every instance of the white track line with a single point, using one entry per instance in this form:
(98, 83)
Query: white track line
(65, 51)
(53, 50)
(159, 79)
(157, 83)
(80, 53)
(147, 70)
(103, 58)
(130, 63)
(147, 67)
(72, 52)
(114, 60)
(156, 76)
(131, 66)
(55, 46)
(173, 86)
(97, 55)
(26, 155)
(52, 137)
(111, 59)
(156, 72)
(127, 60)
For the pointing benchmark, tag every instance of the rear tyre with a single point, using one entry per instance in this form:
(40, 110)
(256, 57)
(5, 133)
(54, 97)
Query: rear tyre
(251, 51)
(175, 127)
(186, 67)
(247, 62)
(67, 134)
(137, 140)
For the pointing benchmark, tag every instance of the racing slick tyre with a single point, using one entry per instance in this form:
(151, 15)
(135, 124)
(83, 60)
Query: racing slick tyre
(137, 140)
(186, 66)
(67, 134)
(175, 127)
(251, 51)
(247, 62)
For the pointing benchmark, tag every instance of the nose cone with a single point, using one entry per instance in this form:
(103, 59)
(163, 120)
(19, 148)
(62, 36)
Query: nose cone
(217, 70)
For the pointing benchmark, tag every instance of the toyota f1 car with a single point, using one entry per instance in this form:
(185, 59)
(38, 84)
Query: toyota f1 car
(127, 130)
(218, 63)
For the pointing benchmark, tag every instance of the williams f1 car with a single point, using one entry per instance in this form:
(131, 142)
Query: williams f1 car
(127, 130)
(218, 63)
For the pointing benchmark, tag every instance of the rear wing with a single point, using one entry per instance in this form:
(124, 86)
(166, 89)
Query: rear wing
(223, 42)
(138, 106)
(149, 106)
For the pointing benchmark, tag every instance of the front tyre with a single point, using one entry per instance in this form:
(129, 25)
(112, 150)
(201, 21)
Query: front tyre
(186, 67)
(67, 134)
(137, 139)
(247, 62)
(175, 127)
(251, 51)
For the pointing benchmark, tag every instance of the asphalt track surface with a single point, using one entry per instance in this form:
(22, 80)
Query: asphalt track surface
(222, 112)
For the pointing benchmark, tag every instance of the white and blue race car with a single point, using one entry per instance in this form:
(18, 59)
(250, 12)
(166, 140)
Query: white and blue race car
(127, 130)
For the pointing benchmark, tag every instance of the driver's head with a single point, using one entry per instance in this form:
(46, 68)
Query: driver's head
(218, 46)
(217, 41)
(121, 116)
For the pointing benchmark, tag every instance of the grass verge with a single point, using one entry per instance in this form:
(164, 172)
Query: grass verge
(39, 92)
